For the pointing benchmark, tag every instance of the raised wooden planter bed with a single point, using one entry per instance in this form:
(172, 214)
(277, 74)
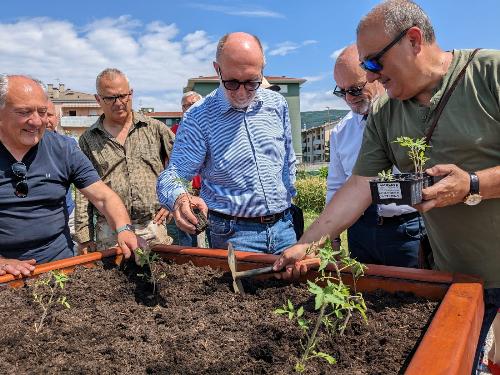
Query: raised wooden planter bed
(448, 345)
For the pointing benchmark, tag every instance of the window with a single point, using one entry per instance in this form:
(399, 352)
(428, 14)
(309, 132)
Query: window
(72, 113)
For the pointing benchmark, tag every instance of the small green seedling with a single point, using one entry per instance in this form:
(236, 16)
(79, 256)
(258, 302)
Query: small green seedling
(46, 291)
(386, 175)
(417, 148)
(333, 299)
(154, 271)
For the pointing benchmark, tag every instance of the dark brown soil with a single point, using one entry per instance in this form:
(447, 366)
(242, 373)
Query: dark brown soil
(198, 327)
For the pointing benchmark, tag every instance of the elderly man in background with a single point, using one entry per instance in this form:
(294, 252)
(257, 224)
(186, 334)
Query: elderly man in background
(238, 138)
(129, 151)
(384, 234)
(398, 48)
(54, 124)
(185, 238)
(37, 169)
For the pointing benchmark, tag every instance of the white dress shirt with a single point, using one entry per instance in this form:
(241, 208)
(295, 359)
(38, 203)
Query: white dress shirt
(345, 143)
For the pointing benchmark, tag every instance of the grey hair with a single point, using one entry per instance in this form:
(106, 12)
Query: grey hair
(399, 15)
(189, 94)
(110, 73)
(222, 43)
(4, 86)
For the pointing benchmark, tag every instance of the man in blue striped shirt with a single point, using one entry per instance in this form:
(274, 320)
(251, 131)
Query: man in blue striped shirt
(238, 139)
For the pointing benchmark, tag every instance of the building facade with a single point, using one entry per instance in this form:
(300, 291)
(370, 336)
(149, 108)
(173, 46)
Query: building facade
(78, 110)
(316, 143)
(289, 88)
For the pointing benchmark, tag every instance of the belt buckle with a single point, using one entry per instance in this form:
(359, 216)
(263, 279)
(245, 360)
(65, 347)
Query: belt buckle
(267, 219)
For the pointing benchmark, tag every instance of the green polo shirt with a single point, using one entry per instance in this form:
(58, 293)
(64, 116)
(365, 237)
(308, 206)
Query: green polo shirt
(464, 238)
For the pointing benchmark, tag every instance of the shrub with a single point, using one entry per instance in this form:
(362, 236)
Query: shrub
(323, 172)
(311, 193)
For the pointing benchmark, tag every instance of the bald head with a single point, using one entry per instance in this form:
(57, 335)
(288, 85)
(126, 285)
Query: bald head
(246, 46)
(347, 63)
(351, 79)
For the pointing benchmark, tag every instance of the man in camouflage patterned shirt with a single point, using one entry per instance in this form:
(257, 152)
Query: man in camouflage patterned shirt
(129, 151)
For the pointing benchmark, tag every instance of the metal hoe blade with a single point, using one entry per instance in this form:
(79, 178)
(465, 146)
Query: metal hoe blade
(231, 260)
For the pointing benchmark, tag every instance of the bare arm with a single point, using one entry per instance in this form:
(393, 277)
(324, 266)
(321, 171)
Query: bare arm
(344, 209)
(112, 207)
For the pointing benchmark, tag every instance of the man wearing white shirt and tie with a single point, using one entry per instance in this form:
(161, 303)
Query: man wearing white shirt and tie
(384, 234)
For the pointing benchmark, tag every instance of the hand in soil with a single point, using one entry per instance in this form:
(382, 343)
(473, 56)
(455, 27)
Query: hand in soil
(128, 241)
(184, 215)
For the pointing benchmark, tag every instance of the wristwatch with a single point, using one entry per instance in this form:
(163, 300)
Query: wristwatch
(474, 197)
(125, 227)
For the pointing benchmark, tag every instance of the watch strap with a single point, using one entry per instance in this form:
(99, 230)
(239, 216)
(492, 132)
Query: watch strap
(124, 228)
(474, 183)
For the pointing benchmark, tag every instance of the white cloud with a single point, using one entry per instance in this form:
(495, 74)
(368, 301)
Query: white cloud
(316, 78)
(284, 48)
(337, 52)
(157, 59)
(319, 100)
(236, 11)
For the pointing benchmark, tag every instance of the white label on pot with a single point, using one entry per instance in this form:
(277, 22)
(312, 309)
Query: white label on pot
(389, 190)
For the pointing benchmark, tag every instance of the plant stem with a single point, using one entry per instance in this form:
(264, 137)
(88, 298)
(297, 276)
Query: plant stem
(311, 343)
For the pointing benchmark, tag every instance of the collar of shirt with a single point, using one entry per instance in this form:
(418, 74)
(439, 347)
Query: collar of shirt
(225, 106)
(138, 119)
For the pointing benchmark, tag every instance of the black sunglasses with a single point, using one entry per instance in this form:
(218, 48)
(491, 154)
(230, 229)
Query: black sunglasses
(354, 91)
(233, 84)
(373, 64)
(112, 99)
(20, 171)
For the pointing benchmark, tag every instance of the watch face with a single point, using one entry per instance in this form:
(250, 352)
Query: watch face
(473, 199)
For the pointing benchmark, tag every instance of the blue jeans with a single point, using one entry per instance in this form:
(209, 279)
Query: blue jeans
(251, 236)
(395, 242)
(491, 306)
(180, 237)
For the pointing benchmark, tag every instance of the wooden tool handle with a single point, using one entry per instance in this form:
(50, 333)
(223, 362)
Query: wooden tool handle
(254, 272)
(265, 270)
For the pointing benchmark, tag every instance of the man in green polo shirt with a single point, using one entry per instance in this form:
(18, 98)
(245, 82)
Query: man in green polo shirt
(397, 47)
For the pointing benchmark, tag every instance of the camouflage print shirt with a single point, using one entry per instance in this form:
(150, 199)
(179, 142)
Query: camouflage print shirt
(130, 170)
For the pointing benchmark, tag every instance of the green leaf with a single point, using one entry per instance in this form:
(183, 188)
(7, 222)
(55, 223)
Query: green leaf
(326, 357)
(300, 311)
(280, 311)
(290, 305)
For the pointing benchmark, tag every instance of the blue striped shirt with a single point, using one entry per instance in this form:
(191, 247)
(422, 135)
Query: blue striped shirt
(245, 157)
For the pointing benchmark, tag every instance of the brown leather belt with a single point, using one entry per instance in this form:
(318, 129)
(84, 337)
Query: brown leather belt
(268, 219)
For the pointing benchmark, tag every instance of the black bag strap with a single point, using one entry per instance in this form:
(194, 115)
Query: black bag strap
(446, 96)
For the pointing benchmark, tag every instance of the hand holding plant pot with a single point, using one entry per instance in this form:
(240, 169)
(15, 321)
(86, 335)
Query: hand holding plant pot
(450, 190)
(190, 213)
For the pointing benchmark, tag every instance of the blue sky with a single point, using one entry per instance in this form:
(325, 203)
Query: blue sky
(160, 44)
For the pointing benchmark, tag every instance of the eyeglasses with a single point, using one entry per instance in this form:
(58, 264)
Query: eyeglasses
(354, 91)
(20, 171)
(373, 65)
(112, 99)
(233, 84)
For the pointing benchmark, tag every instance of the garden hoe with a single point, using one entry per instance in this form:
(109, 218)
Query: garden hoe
(238, 275)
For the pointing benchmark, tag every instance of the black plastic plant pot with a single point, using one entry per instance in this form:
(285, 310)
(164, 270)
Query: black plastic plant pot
(405, 188)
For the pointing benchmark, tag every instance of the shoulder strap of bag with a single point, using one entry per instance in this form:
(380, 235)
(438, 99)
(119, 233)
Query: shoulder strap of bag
(446, 96)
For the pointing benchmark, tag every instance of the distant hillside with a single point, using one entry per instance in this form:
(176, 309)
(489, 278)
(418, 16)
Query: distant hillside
(312, 119)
